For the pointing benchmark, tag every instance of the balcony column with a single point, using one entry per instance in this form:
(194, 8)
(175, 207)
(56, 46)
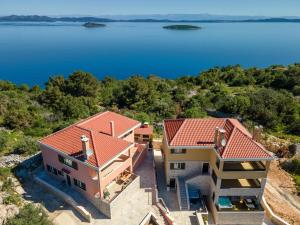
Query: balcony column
(268, 163)
(217, 190)
(262, 184)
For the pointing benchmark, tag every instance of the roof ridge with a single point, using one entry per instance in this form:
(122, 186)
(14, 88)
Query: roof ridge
(95, 152)
(90, 117)
(177, 132)
(255, 142)
(229, 140)
(57, 132)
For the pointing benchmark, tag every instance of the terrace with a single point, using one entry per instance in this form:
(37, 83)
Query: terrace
(229, 204)
(244, 166)
(240, 183)
(118, 185)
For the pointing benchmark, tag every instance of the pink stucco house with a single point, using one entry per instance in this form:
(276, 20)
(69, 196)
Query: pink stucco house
(95, 156)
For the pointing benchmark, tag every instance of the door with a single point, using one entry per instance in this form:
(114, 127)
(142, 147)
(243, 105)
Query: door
(68, 180)
(172, 183)
(205, 168)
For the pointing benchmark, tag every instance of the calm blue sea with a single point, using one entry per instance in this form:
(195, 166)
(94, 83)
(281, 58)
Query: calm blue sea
(30, 53)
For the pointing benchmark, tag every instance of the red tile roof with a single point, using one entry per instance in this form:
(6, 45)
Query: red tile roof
(144, 130)
(97, 129)
(201, 132)
(101, 123)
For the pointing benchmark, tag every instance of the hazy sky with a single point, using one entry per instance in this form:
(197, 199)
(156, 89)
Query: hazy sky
(102, 7)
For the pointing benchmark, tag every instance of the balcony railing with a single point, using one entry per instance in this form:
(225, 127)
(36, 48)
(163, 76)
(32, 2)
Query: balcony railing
(116, 188)
(244, 166)
(240, 183)
(241, 205)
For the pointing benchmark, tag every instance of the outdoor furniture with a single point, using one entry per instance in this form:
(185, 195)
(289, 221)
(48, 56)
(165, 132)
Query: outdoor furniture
(224, 203)
(125, 178)
(249, 203)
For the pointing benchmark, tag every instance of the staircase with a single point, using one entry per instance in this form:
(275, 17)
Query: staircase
(184, 205)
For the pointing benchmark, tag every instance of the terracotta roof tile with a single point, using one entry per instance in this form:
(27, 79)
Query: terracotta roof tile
(104, 146)
(201, 132)
(144, 130)
(171, 127)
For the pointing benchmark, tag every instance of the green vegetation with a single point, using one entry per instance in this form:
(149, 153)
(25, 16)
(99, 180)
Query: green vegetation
(293, 166)
(30, 215)
(93, 25)
(182, 27)
(269, 97)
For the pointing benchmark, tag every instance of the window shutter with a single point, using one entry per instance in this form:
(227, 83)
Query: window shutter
(83, 186)
(183, 166)
(60, 158)
(74, 165)
(172, 166)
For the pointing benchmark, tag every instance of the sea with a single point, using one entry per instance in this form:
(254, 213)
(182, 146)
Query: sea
(32, 52)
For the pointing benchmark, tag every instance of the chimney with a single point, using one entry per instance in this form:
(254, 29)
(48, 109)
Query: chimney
(112, 128)
(216, 135)
(222, 140)
(257, 131)
(87, 152)
(146, 124)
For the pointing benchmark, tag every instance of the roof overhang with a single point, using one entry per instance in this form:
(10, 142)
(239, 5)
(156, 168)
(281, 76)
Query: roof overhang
(131, 129)
(68, 156)
(117, 156)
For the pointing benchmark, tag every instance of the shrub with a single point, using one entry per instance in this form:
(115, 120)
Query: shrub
(7, 185)
(30, 215)
(14, 199)
(4, 173)
(28, 146)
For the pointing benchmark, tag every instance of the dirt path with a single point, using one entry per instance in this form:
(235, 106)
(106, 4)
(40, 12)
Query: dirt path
(280, 194)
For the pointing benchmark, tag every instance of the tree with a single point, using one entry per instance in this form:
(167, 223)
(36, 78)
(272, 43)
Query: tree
(82, 84)
(18, 119)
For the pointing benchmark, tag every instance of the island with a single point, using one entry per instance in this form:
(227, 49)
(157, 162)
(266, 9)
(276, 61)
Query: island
(93, 25)
(182, 27)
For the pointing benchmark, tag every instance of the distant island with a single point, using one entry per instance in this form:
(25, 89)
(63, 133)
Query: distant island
(182, 27)
(93, 25)
(37, 18)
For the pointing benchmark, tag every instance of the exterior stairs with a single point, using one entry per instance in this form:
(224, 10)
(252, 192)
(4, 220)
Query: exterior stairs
(184, 204)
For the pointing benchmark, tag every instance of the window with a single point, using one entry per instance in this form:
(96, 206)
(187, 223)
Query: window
(59, 173)
(68, 162)
(177, 166)
(79, 184)
(213, 196)
(214, 177)
(178, 151)
(51, 169)
(205, 168)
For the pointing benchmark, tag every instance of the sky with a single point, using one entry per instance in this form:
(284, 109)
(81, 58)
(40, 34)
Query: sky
(133, 7)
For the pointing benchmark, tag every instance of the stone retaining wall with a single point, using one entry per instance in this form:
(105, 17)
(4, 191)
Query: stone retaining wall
(66, 198)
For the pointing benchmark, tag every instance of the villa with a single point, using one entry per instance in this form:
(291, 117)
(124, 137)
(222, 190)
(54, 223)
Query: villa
(219, 162)
(96, 157)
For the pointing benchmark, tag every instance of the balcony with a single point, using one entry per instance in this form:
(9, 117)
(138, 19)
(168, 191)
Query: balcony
(116, 167)
(240, 183)
(244, 166)
(240, 187)
(229, 204)
(118, 185)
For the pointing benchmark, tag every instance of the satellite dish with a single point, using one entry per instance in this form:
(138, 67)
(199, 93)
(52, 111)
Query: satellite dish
(223, 142)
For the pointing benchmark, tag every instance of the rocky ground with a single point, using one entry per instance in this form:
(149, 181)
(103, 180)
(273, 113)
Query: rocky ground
(9, 210)
(280, 194)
